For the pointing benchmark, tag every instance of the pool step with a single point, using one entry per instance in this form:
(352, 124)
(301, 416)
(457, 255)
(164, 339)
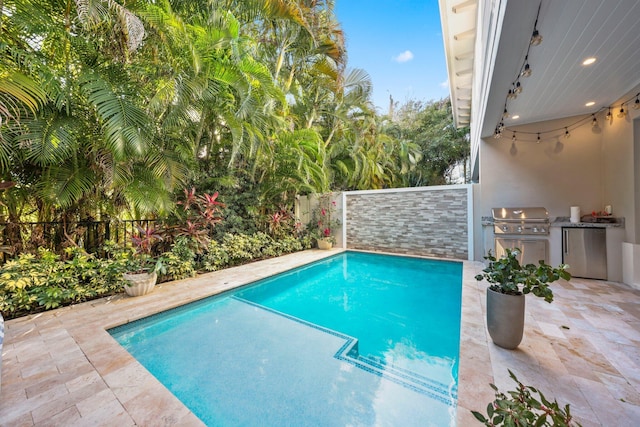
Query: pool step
(447, 394)
(349, 353)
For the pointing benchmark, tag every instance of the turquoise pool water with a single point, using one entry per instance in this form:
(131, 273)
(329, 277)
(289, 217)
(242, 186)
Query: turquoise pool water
(356, 339)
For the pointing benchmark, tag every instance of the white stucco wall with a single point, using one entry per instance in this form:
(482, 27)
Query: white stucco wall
(618, 168)
(557, 173)
(591, 169)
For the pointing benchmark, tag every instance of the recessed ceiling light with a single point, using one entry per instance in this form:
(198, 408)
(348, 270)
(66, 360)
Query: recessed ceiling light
(589, 61)
(589, 104)
(515, 117)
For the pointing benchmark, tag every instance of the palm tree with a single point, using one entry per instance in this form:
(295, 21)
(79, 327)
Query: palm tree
(92, 137)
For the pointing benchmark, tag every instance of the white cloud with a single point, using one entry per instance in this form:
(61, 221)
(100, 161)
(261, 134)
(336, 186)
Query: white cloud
(405, 56)
(445, 84)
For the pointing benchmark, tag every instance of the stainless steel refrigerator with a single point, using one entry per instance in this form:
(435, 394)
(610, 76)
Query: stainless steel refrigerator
(585, 251)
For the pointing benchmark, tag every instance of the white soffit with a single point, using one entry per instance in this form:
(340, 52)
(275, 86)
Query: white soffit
(459, 19)
(560, 85)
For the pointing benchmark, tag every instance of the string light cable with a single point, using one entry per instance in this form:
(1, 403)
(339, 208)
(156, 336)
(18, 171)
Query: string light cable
(525, 68)
(566, 130)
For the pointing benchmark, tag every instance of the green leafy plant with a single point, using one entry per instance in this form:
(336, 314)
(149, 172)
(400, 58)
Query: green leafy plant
(33, 283)
(179, 262)
(506, 275)
(215, 257)
(238, 249)
(520, 407)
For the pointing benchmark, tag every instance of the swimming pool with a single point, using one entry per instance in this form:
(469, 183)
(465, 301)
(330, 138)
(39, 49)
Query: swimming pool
(356, 339)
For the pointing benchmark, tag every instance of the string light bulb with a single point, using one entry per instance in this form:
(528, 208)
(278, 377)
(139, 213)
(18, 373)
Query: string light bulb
(594, 122)
(636, 104)
(536, 38)
(621, 113)
(608, 116)
(526, 72)
(566, 133)
(505, 114)
(538, 139)
(513, 138)
(518, 88)
(511, 95)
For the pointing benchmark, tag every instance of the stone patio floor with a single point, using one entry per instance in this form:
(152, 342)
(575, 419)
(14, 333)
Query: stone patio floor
(62, 367)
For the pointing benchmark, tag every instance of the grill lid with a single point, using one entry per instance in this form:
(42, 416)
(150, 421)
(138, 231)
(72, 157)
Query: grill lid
(520, 214)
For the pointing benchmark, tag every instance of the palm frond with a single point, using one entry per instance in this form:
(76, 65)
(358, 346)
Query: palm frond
(67, 183)
(48, 140)
(124, 125)
(18, 93)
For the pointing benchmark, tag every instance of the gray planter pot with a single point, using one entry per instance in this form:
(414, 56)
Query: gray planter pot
(505, 318)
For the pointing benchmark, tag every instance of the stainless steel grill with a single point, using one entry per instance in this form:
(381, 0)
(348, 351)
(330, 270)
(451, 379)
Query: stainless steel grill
(524, 228)
(520, 221)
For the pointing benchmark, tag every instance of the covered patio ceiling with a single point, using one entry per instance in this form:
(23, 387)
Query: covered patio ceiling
(559, 85)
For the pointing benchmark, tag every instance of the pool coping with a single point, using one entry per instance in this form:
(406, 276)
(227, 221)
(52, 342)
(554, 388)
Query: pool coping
(114, 379)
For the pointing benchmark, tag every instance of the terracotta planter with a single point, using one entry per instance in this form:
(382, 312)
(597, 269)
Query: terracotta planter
(139, 283)
(505, 318)
(324, 244)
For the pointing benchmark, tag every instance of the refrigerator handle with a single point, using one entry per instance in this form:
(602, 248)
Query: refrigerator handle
(565, 241)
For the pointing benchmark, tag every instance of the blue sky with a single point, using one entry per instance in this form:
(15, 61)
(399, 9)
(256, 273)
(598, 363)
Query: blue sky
(399, 43)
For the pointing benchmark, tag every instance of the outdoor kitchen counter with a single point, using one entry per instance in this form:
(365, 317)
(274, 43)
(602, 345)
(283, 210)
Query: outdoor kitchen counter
(615, 237)
(564, 222)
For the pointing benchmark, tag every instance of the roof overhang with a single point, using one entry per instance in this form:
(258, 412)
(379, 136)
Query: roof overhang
(559, 86)
(459, 19)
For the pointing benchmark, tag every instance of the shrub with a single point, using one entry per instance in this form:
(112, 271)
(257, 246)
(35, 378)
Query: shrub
(215, 257)
(282, 224)
(237, 249)
(180, 261)
(33, 283)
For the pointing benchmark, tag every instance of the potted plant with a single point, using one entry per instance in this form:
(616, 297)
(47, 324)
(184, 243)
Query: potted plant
(520, 408)
(509, 283)
(140, 266)
(324, 221)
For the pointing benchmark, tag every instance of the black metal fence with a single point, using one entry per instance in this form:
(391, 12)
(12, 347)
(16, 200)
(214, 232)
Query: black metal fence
(91, 235)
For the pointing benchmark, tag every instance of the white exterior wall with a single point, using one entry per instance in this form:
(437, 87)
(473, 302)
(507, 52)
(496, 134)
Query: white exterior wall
(591, 169)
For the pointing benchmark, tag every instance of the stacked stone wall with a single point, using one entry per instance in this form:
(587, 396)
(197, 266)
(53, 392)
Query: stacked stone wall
(430, 221)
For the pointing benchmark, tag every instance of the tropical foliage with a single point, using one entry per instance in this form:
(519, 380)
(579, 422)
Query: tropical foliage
(110, 108)
(439, 150)
(33, 283)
